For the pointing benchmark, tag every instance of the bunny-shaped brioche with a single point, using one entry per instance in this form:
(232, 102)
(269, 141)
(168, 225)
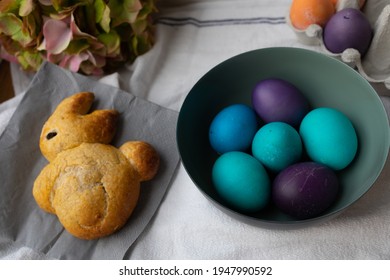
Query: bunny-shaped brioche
(91, 186)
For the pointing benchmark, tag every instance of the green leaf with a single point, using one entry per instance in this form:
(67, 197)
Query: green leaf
(12, 26)
(30, 60)
(102, 15)
(77, 46)
(148, 7)
(139, 26)
(111, 41)
(141, 44)
(106, 20)
(60, 4)
(99, 6)
(124, 11)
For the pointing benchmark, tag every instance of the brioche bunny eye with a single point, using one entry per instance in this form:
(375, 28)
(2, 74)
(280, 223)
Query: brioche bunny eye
(51, 135)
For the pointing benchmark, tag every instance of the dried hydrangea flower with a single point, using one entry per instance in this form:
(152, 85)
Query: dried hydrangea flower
(91, 37)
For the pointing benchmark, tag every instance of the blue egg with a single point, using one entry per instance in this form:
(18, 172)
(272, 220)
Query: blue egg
(233, 128)
(277, 145)
(242, 181)
(329, 137)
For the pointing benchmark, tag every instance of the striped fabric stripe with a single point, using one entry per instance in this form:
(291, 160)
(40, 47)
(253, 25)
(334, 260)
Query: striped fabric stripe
(174, 21)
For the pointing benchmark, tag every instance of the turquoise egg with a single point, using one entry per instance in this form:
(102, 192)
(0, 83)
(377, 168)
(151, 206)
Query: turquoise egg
(329, 137)
(242, 181)
(233, 128)
(277, 145)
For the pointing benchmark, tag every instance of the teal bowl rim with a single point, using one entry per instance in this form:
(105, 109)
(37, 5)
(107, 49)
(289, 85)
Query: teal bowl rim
(288, 224)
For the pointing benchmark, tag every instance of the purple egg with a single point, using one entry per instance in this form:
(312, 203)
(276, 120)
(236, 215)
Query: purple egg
(348, 28)
(305, 190)
(276, 100)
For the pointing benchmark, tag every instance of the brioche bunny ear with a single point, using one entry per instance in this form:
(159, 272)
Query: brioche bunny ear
(143, 157)
(71, 124)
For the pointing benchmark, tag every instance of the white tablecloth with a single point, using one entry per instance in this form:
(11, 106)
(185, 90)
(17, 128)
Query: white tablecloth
(192, 37)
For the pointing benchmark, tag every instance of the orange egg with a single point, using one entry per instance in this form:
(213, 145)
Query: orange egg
(306, 12)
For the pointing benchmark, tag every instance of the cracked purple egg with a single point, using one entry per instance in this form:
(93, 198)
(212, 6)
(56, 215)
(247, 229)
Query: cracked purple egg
(305, 190)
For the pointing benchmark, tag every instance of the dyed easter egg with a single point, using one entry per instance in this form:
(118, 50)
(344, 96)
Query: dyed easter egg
(277, 145)
(306, 12)
(329, 137)
(348, 28)
(241, 181)
(276, 100)
(233, 128)
(305, 190)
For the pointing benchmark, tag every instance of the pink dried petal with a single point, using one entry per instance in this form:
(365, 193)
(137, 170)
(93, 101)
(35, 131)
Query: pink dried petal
(77, 33)
(57, 36)
(5, 55)
(73, 62)
(96, 60)
(76, 30)
(26, 7)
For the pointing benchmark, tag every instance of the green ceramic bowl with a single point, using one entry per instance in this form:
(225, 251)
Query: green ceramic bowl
(324, 81)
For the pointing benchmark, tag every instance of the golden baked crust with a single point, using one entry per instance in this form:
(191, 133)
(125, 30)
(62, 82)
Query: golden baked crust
(71, 124)
(143, 157)
(92, 187)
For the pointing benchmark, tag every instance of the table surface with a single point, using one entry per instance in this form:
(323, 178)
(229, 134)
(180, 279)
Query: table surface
(7, 90)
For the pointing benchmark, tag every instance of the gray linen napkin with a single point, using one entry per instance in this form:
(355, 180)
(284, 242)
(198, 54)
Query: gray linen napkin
(21, 161)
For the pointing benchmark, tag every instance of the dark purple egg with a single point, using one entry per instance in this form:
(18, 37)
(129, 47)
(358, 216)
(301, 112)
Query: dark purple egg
(305, 190)
(348, 28)
(276, 100)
